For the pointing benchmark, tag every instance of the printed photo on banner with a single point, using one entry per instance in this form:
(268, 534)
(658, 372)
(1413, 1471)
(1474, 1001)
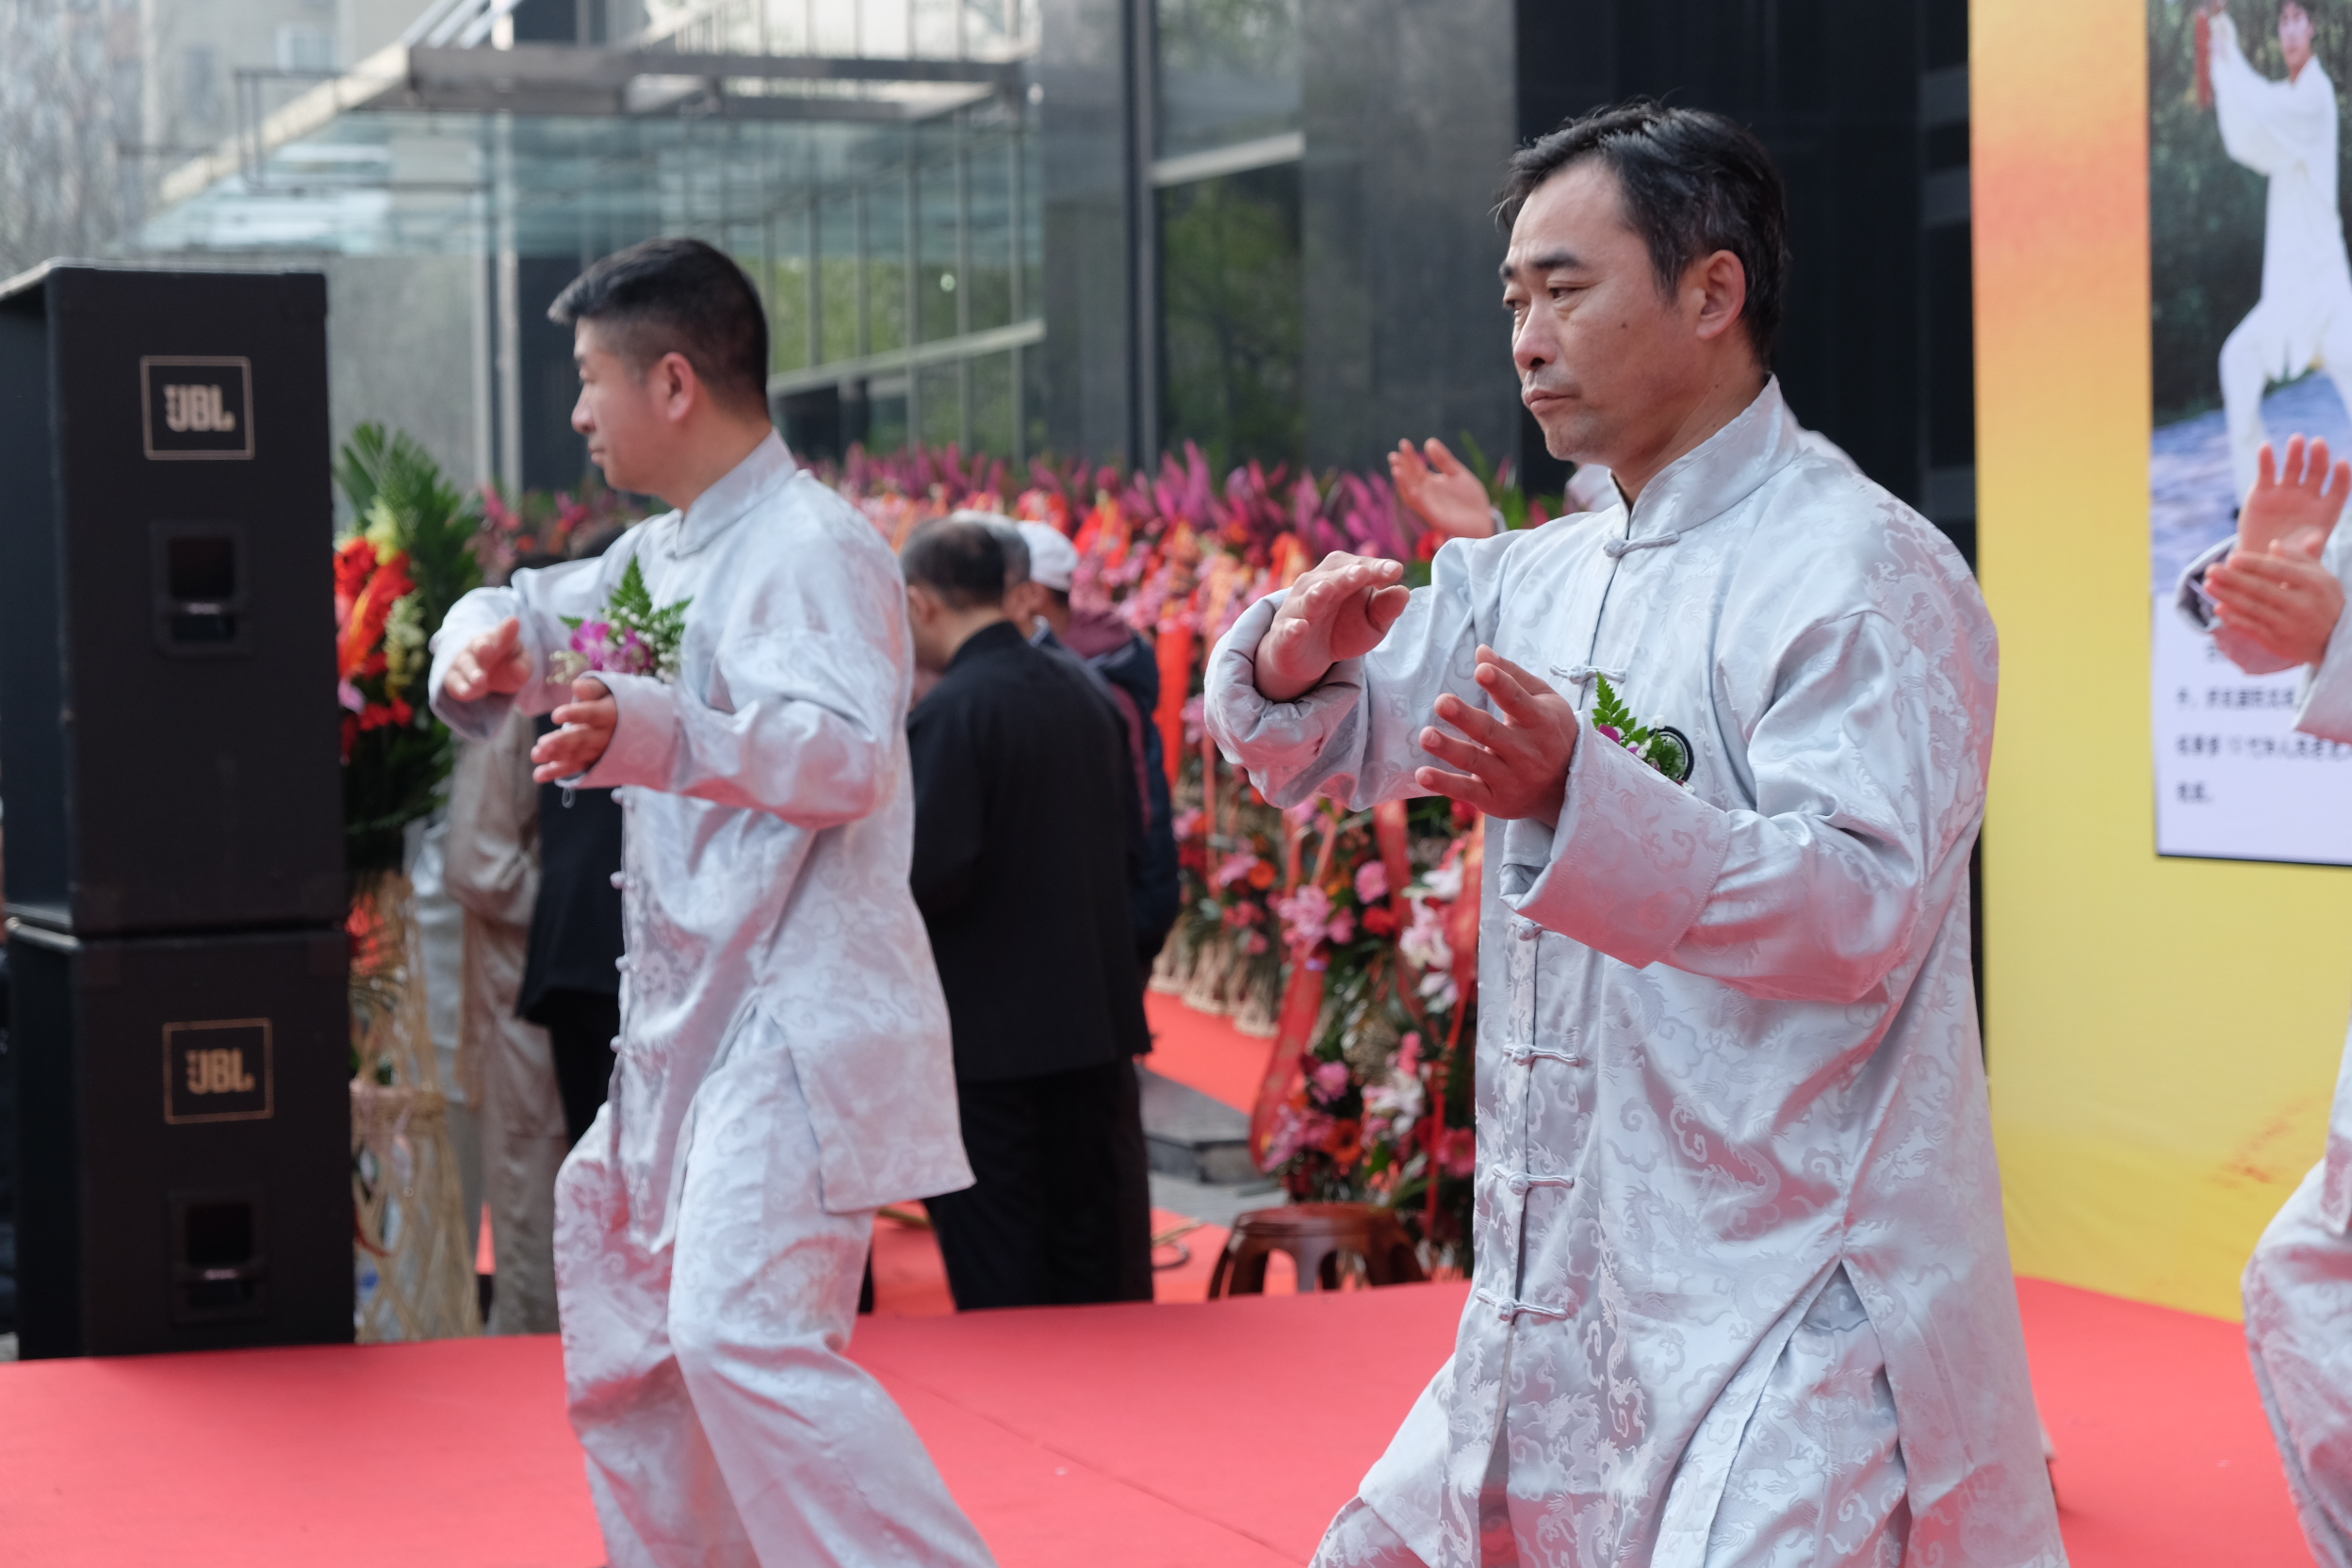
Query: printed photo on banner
(2251, 339)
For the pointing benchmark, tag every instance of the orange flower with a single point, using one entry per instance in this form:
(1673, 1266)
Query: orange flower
(1262, 875)
(362, 627)
(1345, 1142)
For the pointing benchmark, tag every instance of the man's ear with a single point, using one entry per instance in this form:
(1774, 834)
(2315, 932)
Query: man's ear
(675, 383)
(1720, 283)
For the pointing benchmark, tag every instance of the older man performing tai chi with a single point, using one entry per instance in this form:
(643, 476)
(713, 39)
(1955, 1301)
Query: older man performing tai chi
(1743, 1296)
(2277, 600)
(783, 1066)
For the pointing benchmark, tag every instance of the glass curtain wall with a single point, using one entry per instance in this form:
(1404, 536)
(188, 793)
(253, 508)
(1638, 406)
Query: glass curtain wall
(903, 277)
(1226, 179)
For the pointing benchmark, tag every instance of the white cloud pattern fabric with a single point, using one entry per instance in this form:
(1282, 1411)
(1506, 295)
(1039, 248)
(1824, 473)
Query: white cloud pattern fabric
(1728, 1051)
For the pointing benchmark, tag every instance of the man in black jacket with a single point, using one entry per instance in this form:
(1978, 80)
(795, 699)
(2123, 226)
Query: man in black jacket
(1128, 670)
(1020, 868)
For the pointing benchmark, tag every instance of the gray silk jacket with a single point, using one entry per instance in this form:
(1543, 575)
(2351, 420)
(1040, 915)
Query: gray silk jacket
(1727, 1038)
(768, 825)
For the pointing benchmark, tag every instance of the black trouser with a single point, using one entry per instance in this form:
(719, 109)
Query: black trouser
(580, 1028)
(1061, 1209)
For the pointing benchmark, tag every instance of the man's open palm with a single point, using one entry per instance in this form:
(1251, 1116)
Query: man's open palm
(1448, 496)
(1340, 609)
(2295, 502)
(494, 661)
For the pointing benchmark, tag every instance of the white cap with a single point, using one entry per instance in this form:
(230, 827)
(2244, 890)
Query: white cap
(1052, 559)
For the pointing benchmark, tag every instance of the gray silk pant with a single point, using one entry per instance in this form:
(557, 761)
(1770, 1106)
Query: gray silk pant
(2298, 1325)
(1818, 1480)
(724, 1426)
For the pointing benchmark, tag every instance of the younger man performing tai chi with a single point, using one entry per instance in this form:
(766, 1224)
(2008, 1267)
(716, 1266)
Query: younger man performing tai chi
(783, 1068)
(1742, 1295)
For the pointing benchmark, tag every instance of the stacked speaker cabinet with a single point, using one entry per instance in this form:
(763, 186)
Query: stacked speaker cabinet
(169, 774)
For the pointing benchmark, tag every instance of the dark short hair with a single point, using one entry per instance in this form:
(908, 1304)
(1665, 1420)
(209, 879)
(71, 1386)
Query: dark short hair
(1009, 539)
(678, 296)
(1692, 183)
(963, 563)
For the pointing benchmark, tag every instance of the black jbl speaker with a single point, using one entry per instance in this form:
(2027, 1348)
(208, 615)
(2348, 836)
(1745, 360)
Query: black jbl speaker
(168, 729)
(184, 1155)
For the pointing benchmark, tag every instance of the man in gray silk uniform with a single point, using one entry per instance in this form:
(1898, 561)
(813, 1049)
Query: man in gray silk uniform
(1743, 1295)
(783, 1064)
(2276, 594)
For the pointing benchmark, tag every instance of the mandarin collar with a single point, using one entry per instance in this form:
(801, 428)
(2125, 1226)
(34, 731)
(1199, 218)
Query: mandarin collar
(1719, 472)
(744, 486)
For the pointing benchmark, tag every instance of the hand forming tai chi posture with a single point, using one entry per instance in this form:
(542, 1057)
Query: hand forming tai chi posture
(783, 1068)
(1743, 1295)
(2277, 602)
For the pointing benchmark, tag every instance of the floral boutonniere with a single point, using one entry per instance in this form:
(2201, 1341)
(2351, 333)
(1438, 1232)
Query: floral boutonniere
(629, 637)
(1662, 746)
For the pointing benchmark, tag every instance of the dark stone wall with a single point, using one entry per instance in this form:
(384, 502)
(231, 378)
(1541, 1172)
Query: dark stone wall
(1409, 121)
(1090, 354)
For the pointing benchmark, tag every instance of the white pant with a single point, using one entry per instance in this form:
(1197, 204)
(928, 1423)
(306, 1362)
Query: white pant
(1818, 1479)
(2251, 358)
(2298, 1324)
(724, 1426)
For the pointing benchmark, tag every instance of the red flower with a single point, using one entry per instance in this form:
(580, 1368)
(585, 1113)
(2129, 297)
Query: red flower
(1380, 921)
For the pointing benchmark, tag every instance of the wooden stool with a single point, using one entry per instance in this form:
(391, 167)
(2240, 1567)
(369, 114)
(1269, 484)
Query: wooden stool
(1315, 1235)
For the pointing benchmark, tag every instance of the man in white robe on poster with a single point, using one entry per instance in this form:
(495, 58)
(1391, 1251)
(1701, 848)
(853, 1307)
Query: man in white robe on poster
(783, 1066)
(2277, 601)
(2286, 132)
(1743, 1295)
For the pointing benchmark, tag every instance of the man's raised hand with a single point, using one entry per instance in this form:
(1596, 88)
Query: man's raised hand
(1448, 496)
(2295, 502)
(1340, 609)
(588, 720)
(1515, 761)
(2287, 603)
(494, 661)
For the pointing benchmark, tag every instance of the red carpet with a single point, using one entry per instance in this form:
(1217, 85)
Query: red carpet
(1148, 1436)
(1206, 1054)
(2165, 1458)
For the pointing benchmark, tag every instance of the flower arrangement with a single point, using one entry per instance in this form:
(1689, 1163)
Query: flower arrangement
(543, 524)
(631, 637)
(408, 557)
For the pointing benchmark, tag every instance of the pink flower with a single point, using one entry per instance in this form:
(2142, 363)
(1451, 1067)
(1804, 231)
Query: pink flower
(1371, 882)
(1409, 1054)
(623, 654)
(1330, 1079)
(1457, 1150)
(1233, 869)
(1186, 821)
(1305, 914)
(1196, 722)
(1610, 730)
(1343, 928)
